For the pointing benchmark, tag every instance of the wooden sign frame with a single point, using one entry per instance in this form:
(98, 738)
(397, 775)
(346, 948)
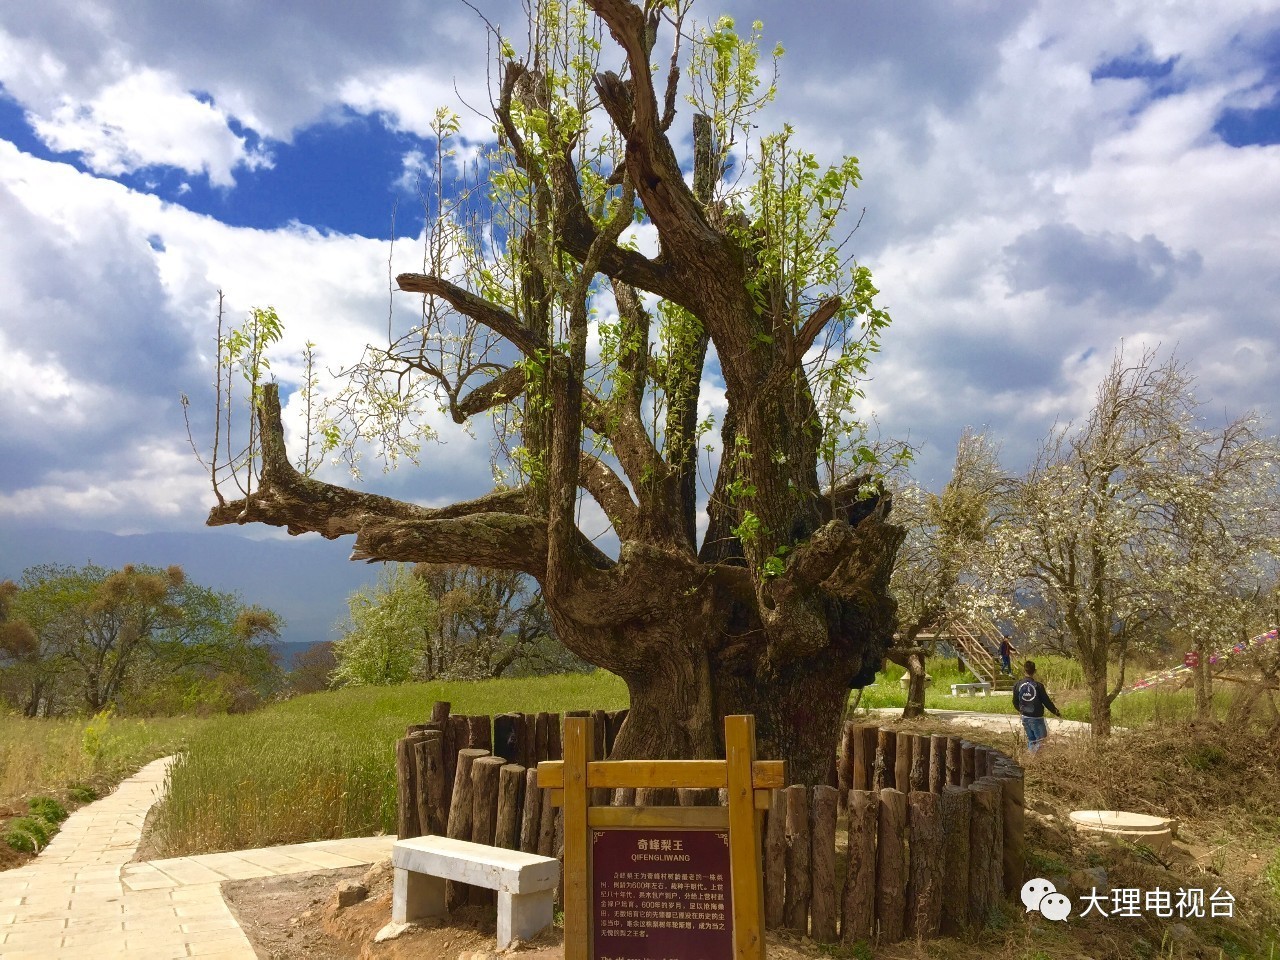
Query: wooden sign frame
(749, 783)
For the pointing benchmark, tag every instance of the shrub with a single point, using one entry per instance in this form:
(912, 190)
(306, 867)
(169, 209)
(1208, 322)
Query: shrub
(30, 834)
(81, 793)
(48, 808)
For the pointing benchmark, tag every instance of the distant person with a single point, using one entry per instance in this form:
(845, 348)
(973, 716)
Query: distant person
(1031, 699)
(1007, 650)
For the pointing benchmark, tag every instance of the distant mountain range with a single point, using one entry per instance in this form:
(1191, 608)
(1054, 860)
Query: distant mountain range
(305, 579)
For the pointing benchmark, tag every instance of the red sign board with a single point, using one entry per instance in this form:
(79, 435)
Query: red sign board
(661, 894)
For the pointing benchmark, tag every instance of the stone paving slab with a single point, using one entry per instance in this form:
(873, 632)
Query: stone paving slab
(81, 895)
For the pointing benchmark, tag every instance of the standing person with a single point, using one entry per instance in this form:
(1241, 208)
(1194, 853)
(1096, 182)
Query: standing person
(1007, 650)
(1031, 699)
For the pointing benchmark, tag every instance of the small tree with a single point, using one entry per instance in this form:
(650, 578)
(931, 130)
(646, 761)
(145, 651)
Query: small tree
(940, 570)
(90, 631)
(388, 632)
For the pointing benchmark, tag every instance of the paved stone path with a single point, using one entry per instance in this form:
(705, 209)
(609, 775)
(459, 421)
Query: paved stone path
(82, 896)
(999, 722)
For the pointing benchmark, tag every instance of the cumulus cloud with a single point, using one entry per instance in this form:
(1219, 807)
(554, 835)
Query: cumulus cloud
(144, 120)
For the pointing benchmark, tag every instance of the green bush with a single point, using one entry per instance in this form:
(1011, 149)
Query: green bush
(82, 793)
(48, 808)
(30, 834)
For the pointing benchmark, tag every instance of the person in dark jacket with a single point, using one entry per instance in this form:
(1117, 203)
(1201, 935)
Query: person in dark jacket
(1032, 700)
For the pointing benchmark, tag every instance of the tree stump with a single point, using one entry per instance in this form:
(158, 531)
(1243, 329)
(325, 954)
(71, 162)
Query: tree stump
(891, 866)
(796, 909)
(531, 812)
(440, 711)
(775, 860)
(956, 810)
(924, 889)
(966, 763)
(953, 761)
(857, 909)
(510, 806)
(823, 858)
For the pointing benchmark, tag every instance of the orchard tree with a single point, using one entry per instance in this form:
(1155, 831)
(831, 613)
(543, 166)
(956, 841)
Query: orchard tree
(941, 573)
(388, 632)
(1222, 506)
(1138, 518)
(784, 601)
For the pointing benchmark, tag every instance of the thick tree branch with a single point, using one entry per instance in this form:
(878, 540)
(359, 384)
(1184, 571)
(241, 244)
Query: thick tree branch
(502, 541)
(503, 388)
(477, 308)
(304, 505)
(611, 493)
(808, 332)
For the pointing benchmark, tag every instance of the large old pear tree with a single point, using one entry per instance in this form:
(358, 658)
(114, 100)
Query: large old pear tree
(785, 601)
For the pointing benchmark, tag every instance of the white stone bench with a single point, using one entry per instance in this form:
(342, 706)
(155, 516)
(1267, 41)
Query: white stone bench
(970, 689)
(526, 883)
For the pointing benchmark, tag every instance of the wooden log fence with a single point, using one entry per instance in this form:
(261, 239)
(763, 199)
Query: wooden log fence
(934, 823)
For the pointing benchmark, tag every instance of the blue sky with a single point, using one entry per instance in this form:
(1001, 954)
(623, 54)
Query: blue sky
(1042, 184)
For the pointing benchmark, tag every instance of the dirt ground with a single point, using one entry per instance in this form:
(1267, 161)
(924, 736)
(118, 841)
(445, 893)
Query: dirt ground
(298, 918)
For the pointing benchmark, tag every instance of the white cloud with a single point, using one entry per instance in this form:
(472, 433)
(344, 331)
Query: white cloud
(146, 119)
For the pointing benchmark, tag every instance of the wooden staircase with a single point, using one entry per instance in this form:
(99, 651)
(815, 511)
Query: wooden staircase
(979, 657)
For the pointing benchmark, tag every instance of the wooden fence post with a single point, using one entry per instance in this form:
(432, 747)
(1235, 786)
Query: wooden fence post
(480, 732)
(995, 876)
(542, 737)
(920, 747)
(510, 803)
(406, 805)
(485, 774)
(555, 748)
(546, 827)
(953, 761)
(864, 756)
(924, 891)
(775, 859)
(886, 756)
(796, 910)
(428, 761)
(937, 763)
(957, 807)
(966, 763)
(506, 737)
(823, 912)
(844, 762)
(440, 711)
(857, 909)
(1014, 831)
(982, 850)
(460, 812)
(579, 750)
(531, 814)
(902, 762)
(891, 865)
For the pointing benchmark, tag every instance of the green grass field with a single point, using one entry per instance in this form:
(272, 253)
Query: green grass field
(323, 766)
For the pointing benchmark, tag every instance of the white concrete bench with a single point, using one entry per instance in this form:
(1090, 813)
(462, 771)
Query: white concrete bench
(526, 883)
(970, 689)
